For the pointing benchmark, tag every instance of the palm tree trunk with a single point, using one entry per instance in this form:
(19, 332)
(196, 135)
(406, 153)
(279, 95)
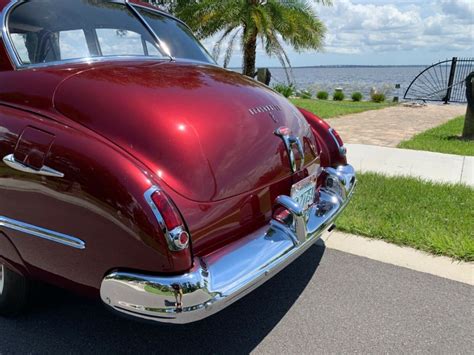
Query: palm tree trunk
(468, 131)
(250, 54)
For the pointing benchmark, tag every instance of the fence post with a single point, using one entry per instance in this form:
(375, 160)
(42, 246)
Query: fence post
(451, 80)
(468, 131)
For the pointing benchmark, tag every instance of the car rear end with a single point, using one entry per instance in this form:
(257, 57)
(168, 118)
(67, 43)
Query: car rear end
(240, 242)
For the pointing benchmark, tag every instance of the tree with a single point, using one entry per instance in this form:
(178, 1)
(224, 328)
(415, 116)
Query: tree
(167, 5)
(468, 131)
(273, 22)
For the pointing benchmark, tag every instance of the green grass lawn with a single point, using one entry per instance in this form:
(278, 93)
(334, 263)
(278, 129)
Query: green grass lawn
(328, 109)
(154, 290)
(442, 139)
(405, 211)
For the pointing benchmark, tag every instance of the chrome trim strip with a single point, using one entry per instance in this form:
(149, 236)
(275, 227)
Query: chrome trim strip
(155, 36)
(11, 162)
(42, 233)
(163, 13)
(12, 54)
(219, 279)
(341, 149)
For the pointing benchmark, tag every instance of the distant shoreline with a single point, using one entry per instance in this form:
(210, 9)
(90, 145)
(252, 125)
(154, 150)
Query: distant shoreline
(344, 66)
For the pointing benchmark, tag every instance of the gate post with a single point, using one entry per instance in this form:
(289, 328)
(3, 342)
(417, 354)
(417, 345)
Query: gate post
(468, 130)
(451, 80)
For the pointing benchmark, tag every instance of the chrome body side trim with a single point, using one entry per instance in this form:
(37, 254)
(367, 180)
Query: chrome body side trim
(42, 233)
(224, 276)
(11, 162)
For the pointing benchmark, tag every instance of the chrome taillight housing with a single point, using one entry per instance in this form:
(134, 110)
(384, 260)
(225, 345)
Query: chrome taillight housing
(338, 140)
(169, 219)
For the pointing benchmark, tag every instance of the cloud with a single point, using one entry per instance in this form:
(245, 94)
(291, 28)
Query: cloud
(385, 32)
(398, 26)
(460, 9)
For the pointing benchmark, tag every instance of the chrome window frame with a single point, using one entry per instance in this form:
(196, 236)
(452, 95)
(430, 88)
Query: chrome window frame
(18, 65)
(181, 22)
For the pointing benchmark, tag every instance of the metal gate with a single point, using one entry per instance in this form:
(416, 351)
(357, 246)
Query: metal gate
(443, 81)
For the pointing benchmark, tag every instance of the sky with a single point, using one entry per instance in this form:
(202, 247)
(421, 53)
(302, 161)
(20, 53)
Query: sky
(383, 32)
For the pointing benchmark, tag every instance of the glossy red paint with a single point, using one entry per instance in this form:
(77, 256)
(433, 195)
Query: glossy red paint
(117, 128)
(329, 151)
(189, 123)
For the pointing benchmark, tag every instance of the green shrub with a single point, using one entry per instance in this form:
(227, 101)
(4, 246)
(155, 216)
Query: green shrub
(357, 96)
(338, 96)
(378, 97)
(304, 94)
(322, 95)
(285, 90)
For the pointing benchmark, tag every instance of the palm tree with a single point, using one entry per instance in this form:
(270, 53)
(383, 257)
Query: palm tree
(273, 22)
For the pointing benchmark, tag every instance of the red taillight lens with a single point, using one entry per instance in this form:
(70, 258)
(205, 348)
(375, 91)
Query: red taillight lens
(184, 238)
(282, 215)
(167, 210)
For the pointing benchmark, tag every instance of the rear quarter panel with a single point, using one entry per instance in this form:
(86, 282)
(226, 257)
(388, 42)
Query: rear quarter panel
(100, 201)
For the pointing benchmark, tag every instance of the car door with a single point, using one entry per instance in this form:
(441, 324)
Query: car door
(28, 213)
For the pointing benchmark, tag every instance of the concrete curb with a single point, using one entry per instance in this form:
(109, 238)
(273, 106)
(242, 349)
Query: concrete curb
(401, 256)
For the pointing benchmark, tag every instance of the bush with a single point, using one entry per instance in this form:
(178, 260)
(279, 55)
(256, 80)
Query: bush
(378, 97)
(357, 96)
(338, 96)
(304, 94)
(322, 95)
(285, 90)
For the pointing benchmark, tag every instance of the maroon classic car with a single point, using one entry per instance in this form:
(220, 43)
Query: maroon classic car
(134, 168)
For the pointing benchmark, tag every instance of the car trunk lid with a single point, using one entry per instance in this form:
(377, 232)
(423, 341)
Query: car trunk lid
(206, 132)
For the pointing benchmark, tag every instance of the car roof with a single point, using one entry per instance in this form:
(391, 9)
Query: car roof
(5, 3)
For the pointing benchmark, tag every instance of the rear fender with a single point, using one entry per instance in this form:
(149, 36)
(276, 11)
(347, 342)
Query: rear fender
(330, 152)
(10, 257)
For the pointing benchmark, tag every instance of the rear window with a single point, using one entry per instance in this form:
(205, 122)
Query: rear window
(44, 31)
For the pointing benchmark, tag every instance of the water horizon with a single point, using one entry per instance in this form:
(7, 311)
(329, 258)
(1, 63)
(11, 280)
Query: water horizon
(349, 78)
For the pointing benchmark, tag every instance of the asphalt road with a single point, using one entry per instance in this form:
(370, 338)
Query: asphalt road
(326, 301)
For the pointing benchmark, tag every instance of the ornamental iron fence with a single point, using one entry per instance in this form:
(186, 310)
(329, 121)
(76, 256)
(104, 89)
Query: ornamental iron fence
(443, 81)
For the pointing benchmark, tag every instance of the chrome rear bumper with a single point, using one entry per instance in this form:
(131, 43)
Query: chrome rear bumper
(221, 278)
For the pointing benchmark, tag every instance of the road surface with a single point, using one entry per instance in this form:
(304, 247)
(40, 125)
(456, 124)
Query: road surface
(326, 301)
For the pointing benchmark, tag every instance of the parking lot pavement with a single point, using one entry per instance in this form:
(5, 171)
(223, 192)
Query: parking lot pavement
(326, 301)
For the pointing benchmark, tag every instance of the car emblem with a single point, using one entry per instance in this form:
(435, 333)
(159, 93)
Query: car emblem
(270, 109)
(291, 142)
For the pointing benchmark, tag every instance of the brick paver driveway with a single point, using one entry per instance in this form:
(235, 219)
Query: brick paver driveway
(390, 126)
